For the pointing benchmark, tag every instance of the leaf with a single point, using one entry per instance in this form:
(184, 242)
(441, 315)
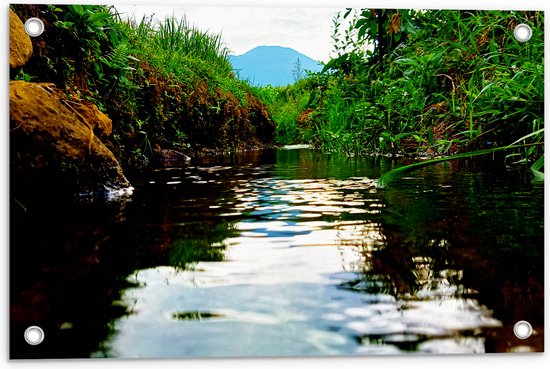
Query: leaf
(527, 136)
(361, 22)
(483, 90)
(399, 172)
(113, 38)
(407, 61)
(75, 8)
(535, 169)
(362, 32)
(64, 25)
(335, 63)
(409, 28)
(98, 17)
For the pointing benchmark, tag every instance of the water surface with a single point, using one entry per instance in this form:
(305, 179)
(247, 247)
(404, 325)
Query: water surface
(285, 253)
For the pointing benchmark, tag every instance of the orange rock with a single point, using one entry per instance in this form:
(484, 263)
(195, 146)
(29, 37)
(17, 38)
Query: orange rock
(20, 42)
(51, 146)
(86, 111)
(94, 117)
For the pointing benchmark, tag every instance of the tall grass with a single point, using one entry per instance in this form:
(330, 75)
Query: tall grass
(446, 82)
(166, 84)
(176, 47)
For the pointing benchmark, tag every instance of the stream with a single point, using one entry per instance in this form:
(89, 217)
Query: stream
(287, 252)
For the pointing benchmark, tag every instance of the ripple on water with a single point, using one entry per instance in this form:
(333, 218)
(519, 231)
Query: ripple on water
(304, 276)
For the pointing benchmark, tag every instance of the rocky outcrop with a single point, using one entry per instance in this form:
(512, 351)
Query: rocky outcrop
(84, 109)
(53, 146)
(20, 42)
(53, 142)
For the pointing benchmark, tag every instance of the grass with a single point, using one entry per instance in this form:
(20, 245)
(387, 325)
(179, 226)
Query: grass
(165, 84)
(178, 48)
(431, 83)
(420, 83)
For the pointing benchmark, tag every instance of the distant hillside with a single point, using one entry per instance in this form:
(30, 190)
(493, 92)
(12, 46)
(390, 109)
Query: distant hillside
(272, 65)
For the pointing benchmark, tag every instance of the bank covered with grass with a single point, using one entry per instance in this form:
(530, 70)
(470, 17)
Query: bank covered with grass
(167, 86)
(409, 82)
(422, 83)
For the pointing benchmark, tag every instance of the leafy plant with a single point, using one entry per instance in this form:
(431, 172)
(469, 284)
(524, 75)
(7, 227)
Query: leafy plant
(22, 76)
(427, 83)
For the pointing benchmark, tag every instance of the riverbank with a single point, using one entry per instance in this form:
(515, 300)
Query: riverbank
(161, 91)
(401, 82)
(421, 83)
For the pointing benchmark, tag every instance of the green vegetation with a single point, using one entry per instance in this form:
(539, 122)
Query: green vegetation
(400, 171)
(421, 83)
(165, 85)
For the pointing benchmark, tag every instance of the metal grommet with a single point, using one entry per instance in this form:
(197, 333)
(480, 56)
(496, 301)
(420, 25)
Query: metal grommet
(523, 32)
(34, 335)
(523, 329)
(34, 27)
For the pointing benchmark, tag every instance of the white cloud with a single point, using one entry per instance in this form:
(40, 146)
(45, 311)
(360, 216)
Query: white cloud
(305, 29)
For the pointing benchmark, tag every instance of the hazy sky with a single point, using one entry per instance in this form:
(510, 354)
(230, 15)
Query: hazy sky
(305, 29)
(304, 25)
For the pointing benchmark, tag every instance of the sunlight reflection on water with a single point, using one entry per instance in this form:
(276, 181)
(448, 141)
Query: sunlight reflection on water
(299, 279)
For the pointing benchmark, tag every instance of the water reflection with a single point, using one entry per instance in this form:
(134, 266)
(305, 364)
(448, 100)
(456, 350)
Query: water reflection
(478, 228)
(291, 252)
(68, 267)
(64, 277)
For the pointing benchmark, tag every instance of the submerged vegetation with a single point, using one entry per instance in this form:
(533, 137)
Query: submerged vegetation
(167, 86)
(421, 83)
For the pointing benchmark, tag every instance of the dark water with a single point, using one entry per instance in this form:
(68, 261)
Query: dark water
(286, 252)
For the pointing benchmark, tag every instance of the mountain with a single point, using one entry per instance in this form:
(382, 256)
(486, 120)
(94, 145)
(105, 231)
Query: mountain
(272, 65)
